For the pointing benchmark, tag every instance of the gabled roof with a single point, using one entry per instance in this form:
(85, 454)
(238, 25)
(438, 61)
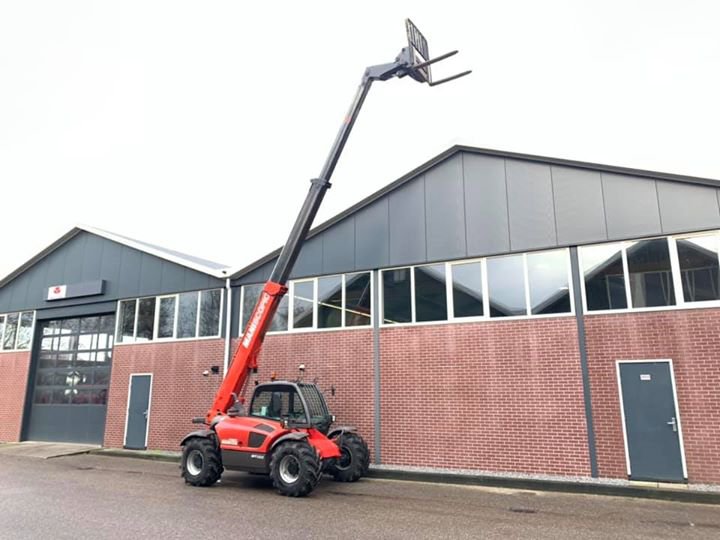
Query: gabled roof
(450, 152)
(204, 266)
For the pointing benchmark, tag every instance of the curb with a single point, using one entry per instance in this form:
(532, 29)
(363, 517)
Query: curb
(584, 488)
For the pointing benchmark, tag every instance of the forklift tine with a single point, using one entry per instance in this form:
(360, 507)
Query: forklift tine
(448, 79)
(434, 60)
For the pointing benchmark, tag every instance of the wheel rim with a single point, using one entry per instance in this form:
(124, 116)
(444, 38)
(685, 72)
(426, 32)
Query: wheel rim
(345, 460)
(289, 469)
(195, 462)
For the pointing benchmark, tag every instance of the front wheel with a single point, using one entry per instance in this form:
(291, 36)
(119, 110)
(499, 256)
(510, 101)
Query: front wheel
(201, 463)
(354, 461)
(294, 468)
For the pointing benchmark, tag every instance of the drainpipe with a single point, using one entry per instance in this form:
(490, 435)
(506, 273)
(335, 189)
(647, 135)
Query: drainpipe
(228, 333)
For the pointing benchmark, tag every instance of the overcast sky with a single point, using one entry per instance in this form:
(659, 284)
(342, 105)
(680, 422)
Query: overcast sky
(197, 125)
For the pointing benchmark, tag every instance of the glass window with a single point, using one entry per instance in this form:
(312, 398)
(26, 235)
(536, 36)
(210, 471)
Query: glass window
(358, 299)
(166, 317)
(396, 296)
(604, 277)
(430, 293)
(281, 402)
(698, 258)
(11, 326)
(330, 302)
(145, 319)
(280, 320)
(126, 328)
(548, 282)
(24, 336)
(210, 312)
(651, 282)
(251, 294)
(506, 286)
(467, 289)
(303, 300)
(2, 329)
(187, 314)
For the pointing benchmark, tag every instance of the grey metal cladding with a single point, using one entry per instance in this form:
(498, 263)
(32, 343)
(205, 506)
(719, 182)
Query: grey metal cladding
(372, 241)
(445, 210)
(631, 206)
(486, 213)
(85, 257)
(407, 223)
(309, 262)
(685, 207)
(530, 205)
(339, 247)
(579, 210)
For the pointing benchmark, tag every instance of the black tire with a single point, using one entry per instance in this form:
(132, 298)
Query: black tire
(201, 463)
(355, 460)
(294, 468)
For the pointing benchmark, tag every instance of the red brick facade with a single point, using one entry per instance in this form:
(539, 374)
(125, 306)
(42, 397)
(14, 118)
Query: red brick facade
(14, 367)
(179, 390)
(494, 396)
(691, 339)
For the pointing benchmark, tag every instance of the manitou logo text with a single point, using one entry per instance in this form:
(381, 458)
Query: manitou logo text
(252, 327)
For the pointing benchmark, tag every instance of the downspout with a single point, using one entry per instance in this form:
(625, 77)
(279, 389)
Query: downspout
(228, 325)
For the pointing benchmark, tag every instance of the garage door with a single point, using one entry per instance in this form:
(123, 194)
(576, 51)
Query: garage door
(71, 380)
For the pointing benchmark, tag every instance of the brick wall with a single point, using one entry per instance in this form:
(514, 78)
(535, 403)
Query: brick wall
(340, 359)
(14, 368)
(179, 390)
(691, 338)
(495, 396)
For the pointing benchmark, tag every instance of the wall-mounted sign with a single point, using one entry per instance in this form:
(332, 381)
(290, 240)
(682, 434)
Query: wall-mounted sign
(75, 290)
(57, 292)
(645, 377)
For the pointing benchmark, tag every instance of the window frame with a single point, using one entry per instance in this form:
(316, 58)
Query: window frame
(17, 331)
(680, 302)
(291, 293)
(156, 318)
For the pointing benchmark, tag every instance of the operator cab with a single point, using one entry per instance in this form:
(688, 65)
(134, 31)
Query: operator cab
(297, 404)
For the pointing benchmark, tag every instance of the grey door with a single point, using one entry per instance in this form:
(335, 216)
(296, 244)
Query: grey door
(70, 380)
(651, 422)
(138, 412)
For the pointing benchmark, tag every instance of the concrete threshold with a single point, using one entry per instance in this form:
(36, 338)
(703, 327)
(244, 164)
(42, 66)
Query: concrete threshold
(704, 494)
(45, 450)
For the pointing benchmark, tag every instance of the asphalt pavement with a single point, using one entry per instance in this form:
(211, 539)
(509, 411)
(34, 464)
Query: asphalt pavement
(95, 496)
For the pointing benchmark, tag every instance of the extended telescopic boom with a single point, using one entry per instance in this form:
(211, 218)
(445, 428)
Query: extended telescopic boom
(413, 60)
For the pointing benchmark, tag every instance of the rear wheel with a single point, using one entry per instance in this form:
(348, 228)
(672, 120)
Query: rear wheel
(294, 468)
(201, 463)
(354, 461)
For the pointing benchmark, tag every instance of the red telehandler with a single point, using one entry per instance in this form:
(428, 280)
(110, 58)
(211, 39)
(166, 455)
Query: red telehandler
(286, 431)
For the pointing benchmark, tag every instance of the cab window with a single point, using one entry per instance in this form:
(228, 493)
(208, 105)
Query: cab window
(278, 403)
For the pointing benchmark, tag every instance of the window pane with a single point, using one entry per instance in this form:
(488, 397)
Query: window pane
(604, 277)
(2, 329)
(651, 282)
(210, 312)
(396, 296)
(357, 299)
(280, 320)
(467, 289)
(146, 319)
(303, 298)
(548, 281)
(166, 317)
(506, 286)
(330, 302)
(126, 328)
(699, 268)
(251, 293)
(187, 314)
(11, 325)
(25, 330)
(430, 293)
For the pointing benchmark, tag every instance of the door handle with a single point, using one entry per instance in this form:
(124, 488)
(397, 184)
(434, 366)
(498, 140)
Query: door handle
(145, 413)
(672, 423)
